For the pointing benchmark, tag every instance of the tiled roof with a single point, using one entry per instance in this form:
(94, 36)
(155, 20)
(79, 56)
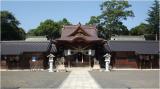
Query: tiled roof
(68, 30)
(74, 38)
(18, 47)
(140, 47)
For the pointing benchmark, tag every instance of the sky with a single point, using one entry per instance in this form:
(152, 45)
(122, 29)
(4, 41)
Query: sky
(31, 13)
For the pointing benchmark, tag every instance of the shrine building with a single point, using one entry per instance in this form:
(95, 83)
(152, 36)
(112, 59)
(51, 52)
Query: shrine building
(80, 46)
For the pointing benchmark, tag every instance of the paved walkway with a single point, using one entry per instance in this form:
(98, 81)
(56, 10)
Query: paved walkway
(79, 78)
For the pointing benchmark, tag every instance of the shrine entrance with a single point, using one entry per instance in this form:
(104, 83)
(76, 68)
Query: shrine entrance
(79, 45)
(80, 60)
(79, 57)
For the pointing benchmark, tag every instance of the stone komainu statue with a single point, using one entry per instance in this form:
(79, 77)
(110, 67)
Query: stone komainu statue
(60, 64)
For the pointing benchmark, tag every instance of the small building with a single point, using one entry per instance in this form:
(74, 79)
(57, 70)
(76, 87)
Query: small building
(134, 54)
(80, 46)
(18, 54)
(36, 38)
(128, 38)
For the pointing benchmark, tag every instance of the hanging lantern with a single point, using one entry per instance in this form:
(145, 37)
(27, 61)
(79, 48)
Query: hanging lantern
(89, 51)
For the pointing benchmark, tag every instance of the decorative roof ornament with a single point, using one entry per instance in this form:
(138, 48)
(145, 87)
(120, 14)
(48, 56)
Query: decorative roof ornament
(79, 24)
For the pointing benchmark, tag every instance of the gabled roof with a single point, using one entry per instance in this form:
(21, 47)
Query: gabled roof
(140, 47)
(67, 30)
(69, 33)
(79, 30)
(18, 47)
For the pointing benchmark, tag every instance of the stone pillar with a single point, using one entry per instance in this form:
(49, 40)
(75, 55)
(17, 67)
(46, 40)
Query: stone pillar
(140, 58)
(107, 61)
(82, 58)
(51, 56)
(69, 53)
(77, 60)
(89, 61)
(50, 65)
(152, 58)
(90, 53)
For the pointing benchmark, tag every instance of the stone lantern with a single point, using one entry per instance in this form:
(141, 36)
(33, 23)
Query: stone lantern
(107, 61)
(51, 56)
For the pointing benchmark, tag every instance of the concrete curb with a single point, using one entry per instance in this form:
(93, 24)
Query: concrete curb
(22, 70)
(136, 69)
(71, 70)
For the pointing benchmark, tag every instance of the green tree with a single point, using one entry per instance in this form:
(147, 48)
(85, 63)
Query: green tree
(31, 32)
(21, 33)
(9, 27)
(49, 28)
(94, 20)
(141, 29)
(103, 33)
(64, 21)
(153, 18)
(113, 12)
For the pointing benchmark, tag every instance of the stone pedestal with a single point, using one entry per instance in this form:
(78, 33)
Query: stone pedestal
(96, 65)
(61, 67)
(107, 66)
(50, 65)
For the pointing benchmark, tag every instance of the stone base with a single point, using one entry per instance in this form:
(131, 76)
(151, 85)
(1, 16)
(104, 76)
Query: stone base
(61, 68)
(96, 67)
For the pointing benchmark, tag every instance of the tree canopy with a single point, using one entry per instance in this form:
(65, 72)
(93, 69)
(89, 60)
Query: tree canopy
(113, 12)
(110, 20)
(151, 29)
(49, 28)
(94, 20)
(64, 21)
(9, 27)
(153, 19)
(140, 29)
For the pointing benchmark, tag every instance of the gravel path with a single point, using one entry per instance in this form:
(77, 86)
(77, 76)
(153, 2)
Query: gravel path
(27, 79)
(127, 79)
